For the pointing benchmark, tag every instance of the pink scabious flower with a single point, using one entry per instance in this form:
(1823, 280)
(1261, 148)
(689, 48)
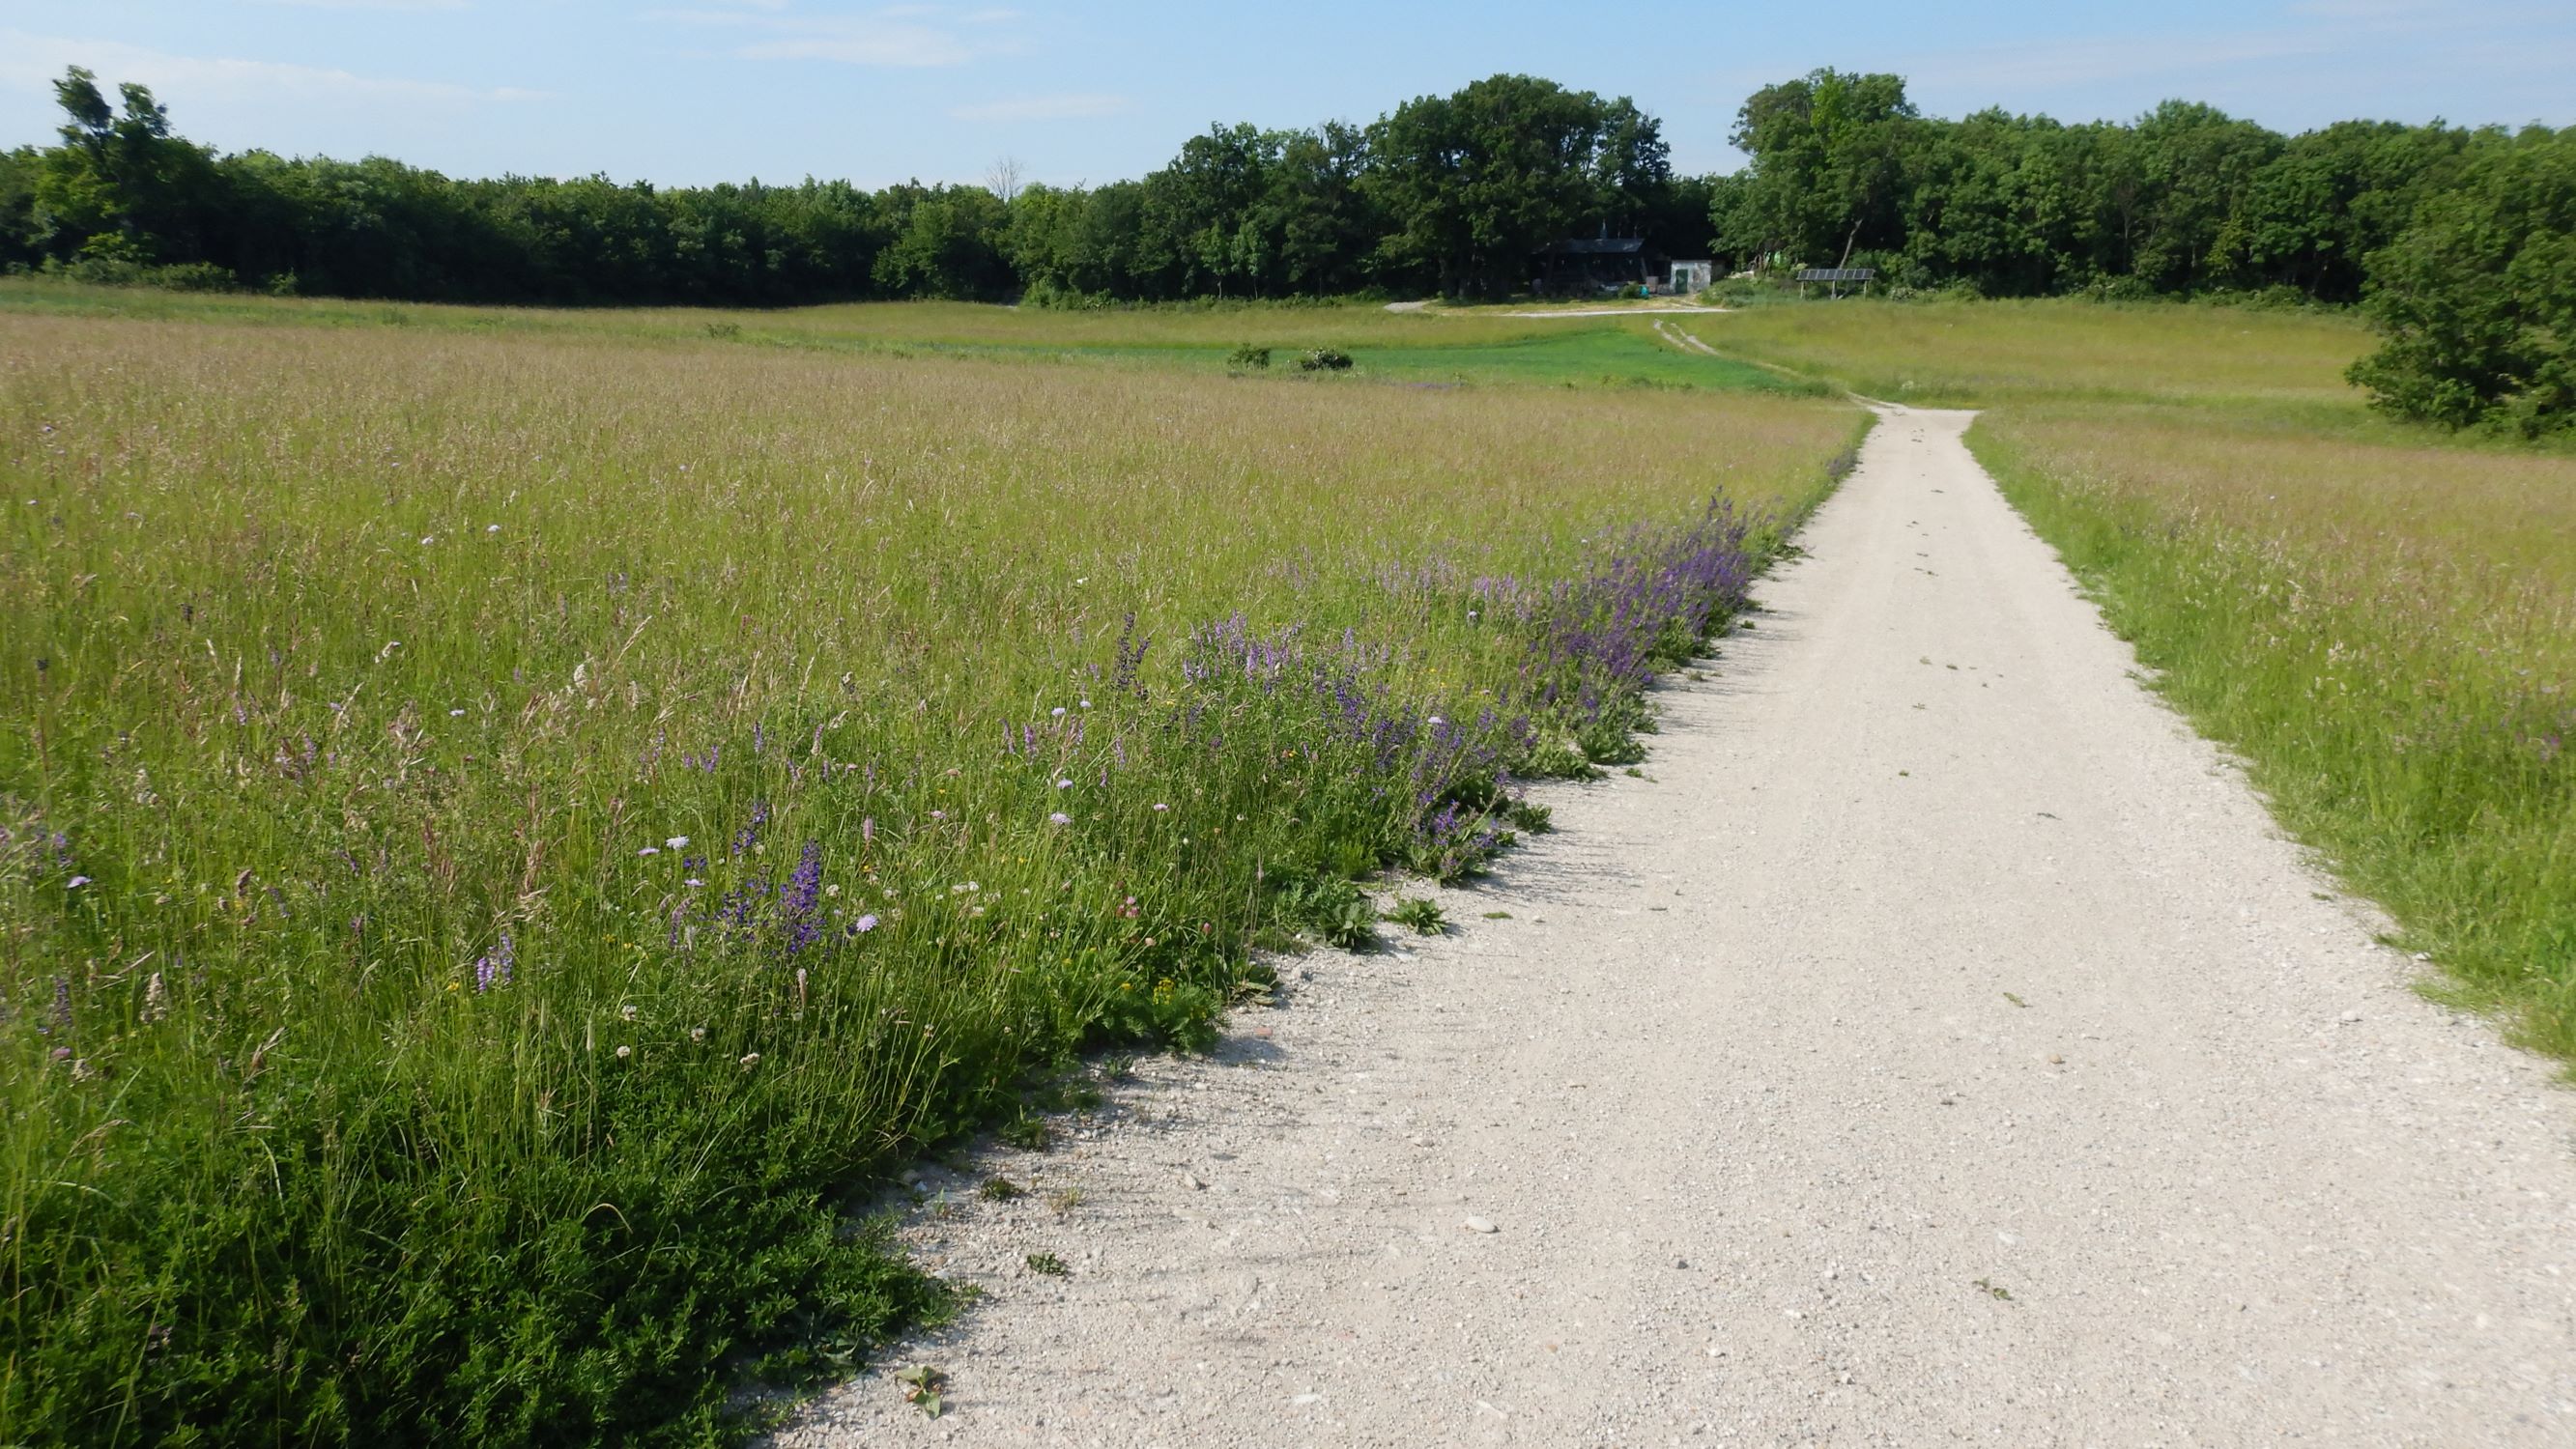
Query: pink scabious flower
(1059, 818)
(76, 882)
(866, 923)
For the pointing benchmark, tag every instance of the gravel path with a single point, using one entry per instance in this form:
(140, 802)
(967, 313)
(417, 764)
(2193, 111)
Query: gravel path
(1939, 1046)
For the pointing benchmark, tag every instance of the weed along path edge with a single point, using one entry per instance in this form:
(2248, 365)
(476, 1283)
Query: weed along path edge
(1936, 1043)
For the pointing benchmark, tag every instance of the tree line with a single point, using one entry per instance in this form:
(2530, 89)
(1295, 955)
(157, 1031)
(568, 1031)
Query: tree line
(2456, 238)
(1446, 193)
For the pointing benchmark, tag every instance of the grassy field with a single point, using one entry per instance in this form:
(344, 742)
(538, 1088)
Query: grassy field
(1476, 345)
(1987, 354)
(508, 830)
(2380, 619)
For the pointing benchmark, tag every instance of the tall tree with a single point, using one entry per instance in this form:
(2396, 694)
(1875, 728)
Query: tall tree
(1830, 152)
(121, 186)
(1473, 184)
(2478, 296)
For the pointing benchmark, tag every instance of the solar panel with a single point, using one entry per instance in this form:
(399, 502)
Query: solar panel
(1839, 274)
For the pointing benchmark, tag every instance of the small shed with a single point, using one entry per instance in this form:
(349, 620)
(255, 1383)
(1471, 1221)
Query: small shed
(1692, 277)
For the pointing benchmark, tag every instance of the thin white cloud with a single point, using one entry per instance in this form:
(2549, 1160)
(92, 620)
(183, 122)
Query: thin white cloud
(891, 45)
(31, 62)
(906, 36)
(369, 4)
(2055, 64)
(2412, 10)
(1043, 108)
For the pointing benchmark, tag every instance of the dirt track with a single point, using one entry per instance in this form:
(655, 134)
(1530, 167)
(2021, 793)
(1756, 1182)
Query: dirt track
(1941, 1047)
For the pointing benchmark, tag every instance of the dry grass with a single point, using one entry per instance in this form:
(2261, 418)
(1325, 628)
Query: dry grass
(1986, 354)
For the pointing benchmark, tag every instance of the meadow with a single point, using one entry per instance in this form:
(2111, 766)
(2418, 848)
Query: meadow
(2378, 617)
(514, 825)
(1445, 345)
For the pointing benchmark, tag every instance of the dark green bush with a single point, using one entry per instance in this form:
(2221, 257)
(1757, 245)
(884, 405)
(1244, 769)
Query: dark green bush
(2478, 297)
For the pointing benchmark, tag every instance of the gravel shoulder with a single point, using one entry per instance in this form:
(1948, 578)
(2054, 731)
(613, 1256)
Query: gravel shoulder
(1939, 1045)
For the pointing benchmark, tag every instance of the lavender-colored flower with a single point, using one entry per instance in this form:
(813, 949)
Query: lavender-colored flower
(677, 842)
(798, 900)
(867, 829)
(650, 850)
(1064, 784)
(865, 923)
(76, 882)
(1160, 807)
(1060, 818)
(493, 968)
(1057, 712)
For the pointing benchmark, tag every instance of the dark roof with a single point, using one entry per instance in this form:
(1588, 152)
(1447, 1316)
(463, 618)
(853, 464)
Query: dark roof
(1597, 246)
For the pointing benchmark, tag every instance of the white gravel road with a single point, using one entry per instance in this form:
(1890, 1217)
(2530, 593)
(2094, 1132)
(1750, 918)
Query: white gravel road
(1940, 1046)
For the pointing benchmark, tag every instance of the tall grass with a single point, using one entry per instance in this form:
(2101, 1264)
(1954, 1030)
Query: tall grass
(1447, 346)
(506, 837)
(1994, 354)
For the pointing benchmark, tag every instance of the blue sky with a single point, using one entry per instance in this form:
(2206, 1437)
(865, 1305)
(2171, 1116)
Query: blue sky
(693, 91)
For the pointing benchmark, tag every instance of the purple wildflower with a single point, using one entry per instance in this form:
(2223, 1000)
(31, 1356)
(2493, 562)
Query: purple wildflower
(865, 923)
(798, 899)
(493, 968)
